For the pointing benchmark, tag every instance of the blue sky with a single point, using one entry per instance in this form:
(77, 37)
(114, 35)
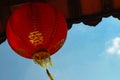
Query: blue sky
(89, 53)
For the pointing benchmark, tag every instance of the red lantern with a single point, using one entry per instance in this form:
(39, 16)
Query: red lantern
(36, 31)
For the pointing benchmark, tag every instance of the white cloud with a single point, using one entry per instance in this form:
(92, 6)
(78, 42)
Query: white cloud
(114, 47)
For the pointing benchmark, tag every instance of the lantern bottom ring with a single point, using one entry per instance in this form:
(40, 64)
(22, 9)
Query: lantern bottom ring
(42, 58)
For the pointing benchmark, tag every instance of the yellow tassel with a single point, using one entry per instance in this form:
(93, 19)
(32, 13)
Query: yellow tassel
(49, 74)
(42, 58)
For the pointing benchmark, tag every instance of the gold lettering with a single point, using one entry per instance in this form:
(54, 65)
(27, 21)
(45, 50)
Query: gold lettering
(36, 38)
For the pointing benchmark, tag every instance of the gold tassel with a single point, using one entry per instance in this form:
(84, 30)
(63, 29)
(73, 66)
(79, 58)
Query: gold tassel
(43, 59)
(49, 74)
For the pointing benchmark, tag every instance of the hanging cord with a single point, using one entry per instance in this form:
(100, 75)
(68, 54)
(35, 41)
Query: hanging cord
(49, 74)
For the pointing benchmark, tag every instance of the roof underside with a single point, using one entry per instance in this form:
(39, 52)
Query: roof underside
(90, 12)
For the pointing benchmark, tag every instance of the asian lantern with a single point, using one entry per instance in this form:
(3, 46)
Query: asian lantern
(36, 31)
